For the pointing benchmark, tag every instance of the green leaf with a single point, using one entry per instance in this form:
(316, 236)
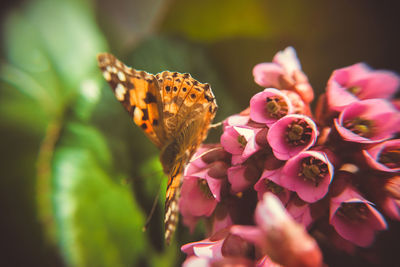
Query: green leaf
(84, 136)
(98, 222)
(51, 48)
(210, 20)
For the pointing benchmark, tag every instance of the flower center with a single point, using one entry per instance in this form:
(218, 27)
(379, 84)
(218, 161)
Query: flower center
(390, 158)
(355, 212)
(298, 133)
(242, 141)
(204, 188)
(276, 107)
(360, 126)
(355, 90)
(273, 187)
(313, 170)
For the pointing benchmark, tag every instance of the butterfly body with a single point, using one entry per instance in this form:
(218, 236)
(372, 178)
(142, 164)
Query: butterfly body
(174, 111)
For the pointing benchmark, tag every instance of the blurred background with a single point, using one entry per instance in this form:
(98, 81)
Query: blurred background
(78, 178)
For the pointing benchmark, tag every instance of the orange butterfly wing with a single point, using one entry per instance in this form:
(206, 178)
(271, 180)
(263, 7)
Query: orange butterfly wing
(139, 93)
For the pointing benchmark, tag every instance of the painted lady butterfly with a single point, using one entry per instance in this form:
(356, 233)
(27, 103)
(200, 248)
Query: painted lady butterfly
(174, 111)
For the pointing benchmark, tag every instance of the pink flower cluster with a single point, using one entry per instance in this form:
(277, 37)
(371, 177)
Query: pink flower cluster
(281, 169)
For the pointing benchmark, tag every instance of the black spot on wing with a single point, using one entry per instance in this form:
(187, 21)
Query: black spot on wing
(209, 98)
(145, 116)
(150, 98)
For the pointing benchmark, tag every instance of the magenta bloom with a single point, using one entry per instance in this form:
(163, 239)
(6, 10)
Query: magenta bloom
(242, 177)
(196, 200)
(219, 248)
(300, 211)
(368, 121)
(355, 218)
(236, 120)
(269, 106)
(241, 141)
(208, 248)
(278, 236)
(201, 187)
(358, 82)
(270, 182)
(284, 73)
(291, 134)
(309, 174)
(391, 207)
(384, 156)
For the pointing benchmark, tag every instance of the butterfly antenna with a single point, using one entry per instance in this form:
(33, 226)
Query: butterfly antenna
(215, 125)
(153, 208)
(204, 153)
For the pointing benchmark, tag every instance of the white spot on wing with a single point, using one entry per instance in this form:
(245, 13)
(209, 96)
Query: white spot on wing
(107, 75)
(121, 76)
(120, 91)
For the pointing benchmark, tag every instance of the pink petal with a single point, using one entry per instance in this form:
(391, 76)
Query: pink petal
(267, 74)
(237, 179)
(250, 233)
(229, 141)
(215, 187)
(237, 120)
(288, 60)
(359, 234)
(372, 155)
(338, 96)
(193, 202)
(380, 84)
(196, 262)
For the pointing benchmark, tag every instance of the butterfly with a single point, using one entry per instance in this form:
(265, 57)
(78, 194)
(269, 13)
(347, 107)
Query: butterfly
(174, 111)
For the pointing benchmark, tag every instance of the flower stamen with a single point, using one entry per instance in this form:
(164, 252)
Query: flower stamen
(276, 107)
(390, 158)
(204, 188)
(313, 170)
(360, 126)
(242, 140)
(273, 187)
(355, 90)
(355, 212)
(298, 133)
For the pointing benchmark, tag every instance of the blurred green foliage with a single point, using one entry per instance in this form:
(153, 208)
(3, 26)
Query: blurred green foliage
(77, 177)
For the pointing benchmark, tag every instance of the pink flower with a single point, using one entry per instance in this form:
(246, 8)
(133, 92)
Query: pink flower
(242, 177)
(196, 200)
(309, 174)
(368, 121)
(278, 236)
(219, 248)
(391, 207)
(354, 218)
(270, 182)
(358, 82)
(204, 177)
(284, 73)
(300, 211)
(384, 156)
(386, 194)
(269, 106)
(240, 141)
(221, 218)
(291, 134)
(267, 262)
